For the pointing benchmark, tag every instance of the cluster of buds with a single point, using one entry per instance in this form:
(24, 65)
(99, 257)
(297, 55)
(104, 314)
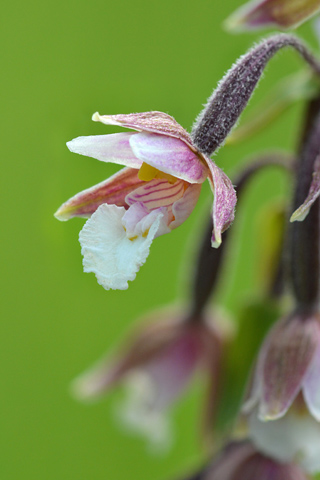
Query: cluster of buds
(155, 192)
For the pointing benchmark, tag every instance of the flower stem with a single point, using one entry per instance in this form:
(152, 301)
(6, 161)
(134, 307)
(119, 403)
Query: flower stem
(227, 102)
(304, 236)
(208, 266)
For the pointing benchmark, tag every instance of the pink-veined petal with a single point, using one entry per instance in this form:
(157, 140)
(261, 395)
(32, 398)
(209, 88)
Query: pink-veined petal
(311, 384)
(112, 148)
(224, 202)
(182, 208)
(169, 155)
(108, 252)
(112, 191)
(155, 122)
(314, 192)
(157, 193)
(289, 347)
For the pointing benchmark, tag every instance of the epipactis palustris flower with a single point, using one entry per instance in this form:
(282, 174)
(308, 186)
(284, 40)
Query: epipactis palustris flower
(157, 366)
(288, 364)
(152, 195)
(283, 399)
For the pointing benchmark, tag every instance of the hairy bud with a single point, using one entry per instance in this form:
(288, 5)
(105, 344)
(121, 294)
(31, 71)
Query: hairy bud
(227, 102)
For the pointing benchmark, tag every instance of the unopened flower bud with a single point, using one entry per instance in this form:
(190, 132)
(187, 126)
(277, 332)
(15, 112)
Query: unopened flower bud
(234, 91)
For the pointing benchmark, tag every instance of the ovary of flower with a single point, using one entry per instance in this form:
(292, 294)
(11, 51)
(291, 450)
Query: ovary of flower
(152, 195)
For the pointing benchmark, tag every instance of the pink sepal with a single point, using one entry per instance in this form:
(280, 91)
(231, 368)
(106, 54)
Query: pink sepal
(224, 202)
(155, 122)
(283, 362)
(112, 191)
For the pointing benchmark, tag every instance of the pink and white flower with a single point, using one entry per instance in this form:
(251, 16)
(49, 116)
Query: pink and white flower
(152, 195)
(157, 366)
(288, 365)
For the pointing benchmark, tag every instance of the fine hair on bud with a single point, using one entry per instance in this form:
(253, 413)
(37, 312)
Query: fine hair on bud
(227, 102)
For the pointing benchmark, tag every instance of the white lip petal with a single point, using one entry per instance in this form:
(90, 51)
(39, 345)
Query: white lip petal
(108, 252)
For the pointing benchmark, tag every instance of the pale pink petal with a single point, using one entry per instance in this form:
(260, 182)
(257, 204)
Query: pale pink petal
(224, 203)
(138, 220)
(289, 350)
(155, 122)
(112, 148)
(112, 191)
(314, 192)
(182, 208)
(157, 193)
(311, 385)
(169, 155)
(108, 252)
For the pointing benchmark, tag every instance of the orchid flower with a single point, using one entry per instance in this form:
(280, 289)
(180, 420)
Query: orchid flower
(155, 193)
(288, 365)
(157, 366)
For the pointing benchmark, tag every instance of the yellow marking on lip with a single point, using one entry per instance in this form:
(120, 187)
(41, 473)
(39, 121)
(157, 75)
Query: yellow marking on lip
(147, 173)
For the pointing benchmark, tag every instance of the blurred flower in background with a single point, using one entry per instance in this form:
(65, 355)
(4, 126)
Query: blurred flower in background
(281, 14)
(157, 366)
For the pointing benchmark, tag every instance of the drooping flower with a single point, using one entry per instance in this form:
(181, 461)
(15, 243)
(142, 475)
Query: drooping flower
(267, 13)
(241, 460)
(152, 195)
(157, 366)
(288, 365)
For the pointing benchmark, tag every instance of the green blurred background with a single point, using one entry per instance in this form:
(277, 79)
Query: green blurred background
(62, 61)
